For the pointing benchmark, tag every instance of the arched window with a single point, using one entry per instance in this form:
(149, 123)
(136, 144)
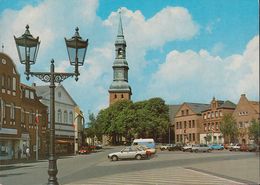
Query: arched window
(65, 116)
(122, 96)
(115, 96)
(59, 116)
(71, 117)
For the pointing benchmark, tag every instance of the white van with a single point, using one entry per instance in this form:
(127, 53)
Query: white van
(149, 143)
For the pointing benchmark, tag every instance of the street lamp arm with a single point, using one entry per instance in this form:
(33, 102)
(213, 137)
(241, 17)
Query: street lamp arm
(46, 77)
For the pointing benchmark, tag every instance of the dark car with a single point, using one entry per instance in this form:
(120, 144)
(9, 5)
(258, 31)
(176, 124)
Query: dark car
(248, 147)
(175, 147)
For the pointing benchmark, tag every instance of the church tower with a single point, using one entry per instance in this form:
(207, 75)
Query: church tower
(120, 89)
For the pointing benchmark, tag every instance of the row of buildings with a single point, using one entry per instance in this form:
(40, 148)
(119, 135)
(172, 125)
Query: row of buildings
(24, 116)
(200, 123)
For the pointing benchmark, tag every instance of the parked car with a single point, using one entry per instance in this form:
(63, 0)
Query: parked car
(175, 147)
(186, 148)
(98, 146)
(200, 148)
(216, 147)
(165, 146)
(128, 153)
(84, 150)
(235, 147)
(248, 147)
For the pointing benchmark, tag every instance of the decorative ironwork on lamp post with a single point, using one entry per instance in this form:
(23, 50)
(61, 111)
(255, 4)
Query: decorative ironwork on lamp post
(27, 47)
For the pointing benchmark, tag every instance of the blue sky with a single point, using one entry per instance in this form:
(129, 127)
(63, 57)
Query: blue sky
(180, 50)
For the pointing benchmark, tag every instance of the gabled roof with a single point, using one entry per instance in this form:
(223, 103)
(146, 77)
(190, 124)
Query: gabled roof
(45, 90)
(228, 104)
(173, 109)
(197, 107)
(255, 105)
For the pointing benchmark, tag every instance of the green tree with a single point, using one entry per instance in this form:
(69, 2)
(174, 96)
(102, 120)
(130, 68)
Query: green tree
(254, 130)
(228, 128)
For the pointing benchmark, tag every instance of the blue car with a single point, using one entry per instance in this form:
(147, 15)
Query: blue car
(216, 147)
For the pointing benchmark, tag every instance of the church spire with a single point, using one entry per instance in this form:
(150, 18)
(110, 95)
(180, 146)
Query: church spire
(120, 27)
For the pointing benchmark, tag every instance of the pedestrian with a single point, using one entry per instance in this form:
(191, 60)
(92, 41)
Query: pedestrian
(27, 153)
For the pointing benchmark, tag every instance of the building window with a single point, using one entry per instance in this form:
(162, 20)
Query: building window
(209, 126)
(205, 116)
(71, 117)
(205, 127)
(27, 93)
(3, 81)
(22, 115)
(59, 116)
(12, 112)
(122, 96)
(180, 125)
(189, 123)
(2, 110)
(182, 112)
(241, 125)
(220, 113)
(193, 137)
(185, 125)
(31, 117)
(212, 114)
(9, 85)
(31, 95)
(177, 125)
(187, 112)
(208, 114)
(178, 138)
(216, 114)
(14, 84)
(65, 116)
(59, 94)
(115, 96)
(216, 125)
(193, 123)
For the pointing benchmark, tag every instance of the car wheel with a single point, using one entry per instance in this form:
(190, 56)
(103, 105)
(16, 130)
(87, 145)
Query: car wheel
(138, 157)
(114, 158)
(209, 150)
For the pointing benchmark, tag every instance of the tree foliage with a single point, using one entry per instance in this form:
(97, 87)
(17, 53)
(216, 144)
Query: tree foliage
(228, 127)
(144, 119)
(254, 130)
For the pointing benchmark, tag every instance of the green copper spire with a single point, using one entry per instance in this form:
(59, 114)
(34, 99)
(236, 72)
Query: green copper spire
(120, 27)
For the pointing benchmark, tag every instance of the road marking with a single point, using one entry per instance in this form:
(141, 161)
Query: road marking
(161, 176)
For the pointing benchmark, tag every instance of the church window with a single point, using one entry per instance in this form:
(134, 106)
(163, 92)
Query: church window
(120, 53)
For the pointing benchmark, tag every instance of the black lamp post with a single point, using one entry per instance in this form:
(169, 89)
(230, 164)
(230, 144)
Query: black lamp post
(28, 47)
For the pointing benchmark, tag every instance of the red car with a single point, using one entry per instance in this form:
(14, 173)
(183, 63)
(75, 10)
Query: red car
(84, 150)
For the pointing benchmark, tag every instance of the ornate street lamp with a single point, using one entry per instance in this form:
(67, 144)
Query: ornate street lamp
(27, 47)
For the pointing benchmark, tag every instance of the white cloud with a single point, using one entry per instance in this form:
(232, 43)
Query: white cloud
(201, 76)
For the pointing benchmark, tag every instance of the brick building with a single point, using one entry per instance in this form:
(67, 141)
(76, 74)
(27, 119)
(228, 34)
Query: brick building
(212, 118)
(19, 106)
(244, 113)
(188, 122)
